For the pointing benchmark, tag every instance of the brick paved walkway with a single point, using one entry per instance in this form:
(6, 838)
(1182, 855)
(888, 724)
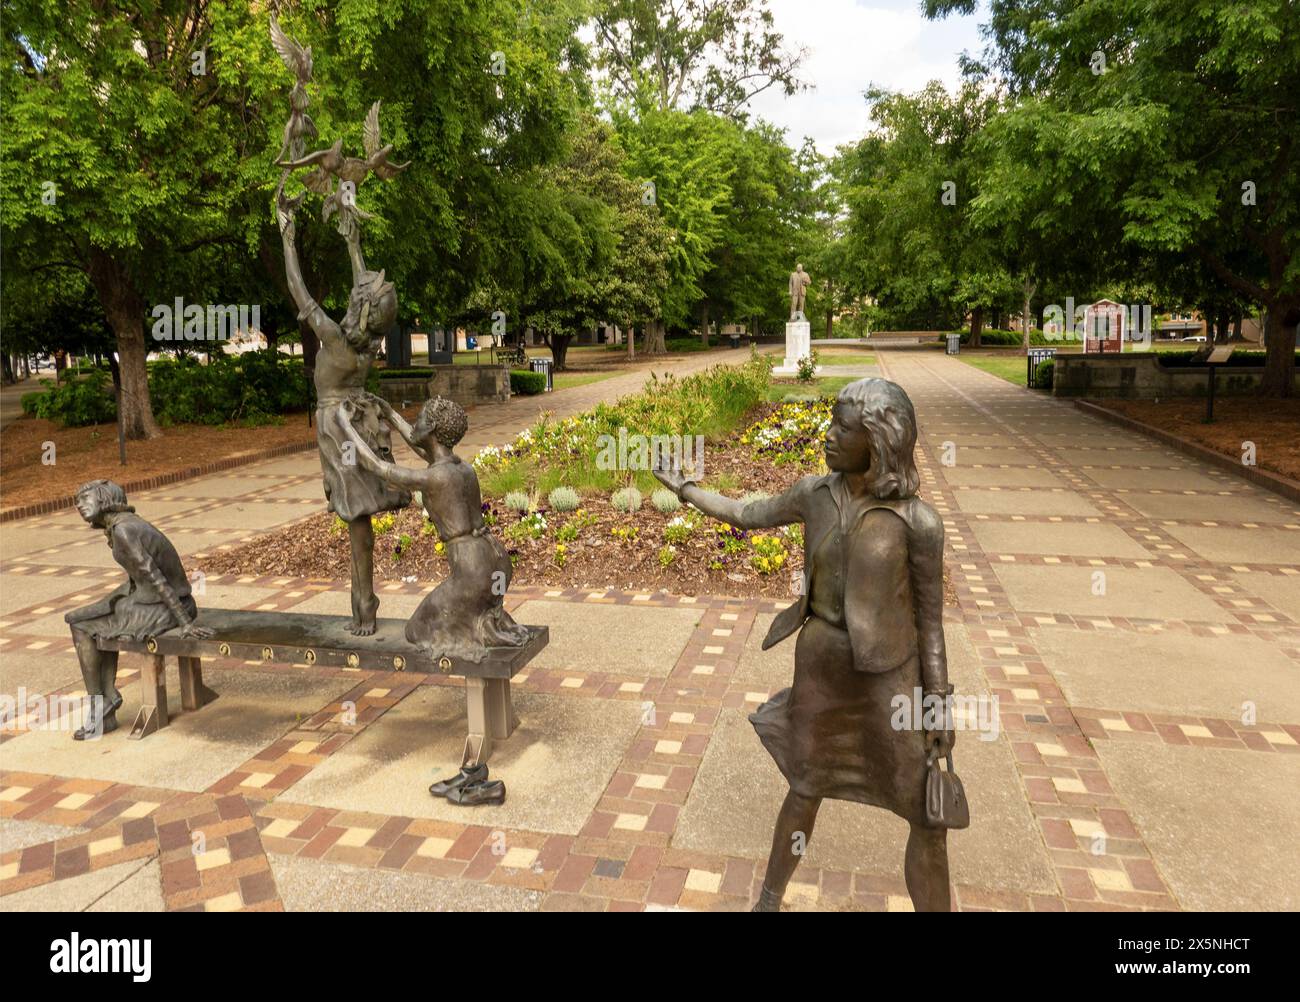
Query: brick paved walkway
(1134, 612)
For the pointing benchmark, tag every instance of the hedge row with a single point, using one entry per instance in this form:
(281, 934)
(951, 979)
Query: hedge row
(253, 388)
(527, 382)
(993, 338)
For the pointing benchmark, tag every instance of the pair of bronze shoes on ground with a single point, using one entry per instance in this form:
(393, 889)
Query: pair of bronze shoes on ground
(471, 787)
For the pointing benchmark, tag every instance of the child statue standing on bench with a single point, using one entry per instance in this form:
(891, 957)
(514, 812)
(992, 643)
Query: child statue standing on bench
(154, 598)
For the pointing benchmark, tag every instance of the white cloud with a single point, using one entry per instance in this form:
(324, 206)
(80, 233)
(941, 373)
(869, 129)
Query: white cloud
(852, 45)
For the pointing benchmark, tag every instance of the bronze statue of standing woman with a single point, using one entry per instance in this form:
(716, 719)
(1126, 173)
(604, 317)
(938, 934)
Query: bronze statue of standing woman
(870, 628)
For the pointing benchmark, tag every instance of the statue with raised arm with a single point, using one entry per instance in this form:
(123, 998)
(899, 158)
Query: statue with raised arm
(154, 598)
(347, 348)
(346, 351)
(869, 621)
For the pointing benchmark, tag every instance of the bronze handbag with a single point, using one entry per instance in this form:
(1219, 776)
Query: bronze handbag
(945, 799)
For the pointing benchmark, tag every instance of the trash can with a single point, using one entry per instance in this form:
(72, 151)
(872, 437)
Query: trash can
(1036, 355)
(734, 339)
(544, 366)
(954, 344)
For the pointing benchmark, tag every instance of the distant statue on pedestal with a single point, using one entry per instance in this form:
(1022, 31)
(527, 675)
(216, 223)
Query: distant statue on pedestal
(799, 282)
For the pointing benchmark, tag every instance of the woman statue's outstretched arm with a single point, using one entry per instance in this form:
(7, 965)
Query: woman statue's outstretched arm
(783, 509)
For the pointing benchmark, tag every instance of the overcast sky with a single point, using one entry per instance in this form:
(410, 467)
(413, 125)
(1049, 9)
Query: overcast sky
(854, 43)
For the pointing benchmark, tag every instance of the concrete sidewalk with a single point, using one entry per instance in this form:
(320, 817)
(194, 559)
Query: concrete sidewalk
(1134, 613)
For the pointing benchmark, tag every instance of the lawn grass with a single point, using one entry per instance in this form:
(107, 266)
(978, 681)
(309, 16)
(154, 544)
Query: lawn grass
(1012, 368)
(845, 358)
(564, 380)
(827, 386)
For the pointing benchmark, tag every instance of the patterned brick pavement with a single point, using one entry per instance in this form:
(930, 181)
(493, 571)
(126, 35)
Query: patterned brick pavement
(637, 790)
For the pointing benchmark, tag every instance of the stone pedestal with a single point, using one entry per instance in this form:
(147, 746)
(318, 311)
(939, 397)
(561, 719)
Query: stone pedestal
(798, 344)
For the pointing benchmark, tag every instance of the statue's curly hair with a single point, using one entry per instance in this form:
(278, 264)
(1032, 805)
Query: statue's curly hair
(444, 419)
(111, 496)
(888, 415)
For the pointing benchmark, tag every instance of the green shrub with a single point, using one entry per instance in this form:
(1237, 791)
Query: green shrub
(527, 383)
(808, 367)
(517, 501)
(253, 388)
(689, 343)
(626, 500)
(667, 554)
(74, 403)
(1043, 374)
(665, 501)
(563, 499)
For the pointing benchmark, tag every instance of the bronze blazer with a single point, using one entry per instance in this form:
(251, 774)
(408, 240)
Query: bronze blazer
(893, 601)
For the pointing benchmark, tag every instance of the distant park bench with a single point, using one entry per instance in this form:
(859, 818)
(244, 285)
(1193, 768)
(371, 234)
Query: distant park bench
(307, 641)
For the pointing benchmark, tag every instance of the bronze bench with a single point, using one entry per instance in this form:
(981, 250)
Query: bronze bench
(306, 640)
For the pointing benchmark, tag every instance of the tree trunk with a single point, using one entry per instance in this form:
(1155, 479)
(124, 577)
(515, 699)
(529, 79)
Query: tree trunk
(1280, 338)
(1236, 327)
(704, 323)
(629, 335)
(997, 319)
(1221, 328)
(559, 345)
(655, 341)
(125, 311)
(976, 325)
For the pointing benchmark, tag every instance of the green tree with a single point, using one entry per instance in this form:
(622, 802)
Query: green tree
(1166, 127)
(688, 54)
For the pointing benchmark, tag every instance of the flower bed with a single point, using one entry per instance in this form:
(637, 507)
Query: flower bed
(652, 546)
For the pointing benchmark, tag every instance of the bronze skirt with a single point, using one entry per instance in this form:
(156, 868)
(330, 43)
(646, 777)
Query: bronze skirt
(131, 620)
(831, 734)
(351, 490)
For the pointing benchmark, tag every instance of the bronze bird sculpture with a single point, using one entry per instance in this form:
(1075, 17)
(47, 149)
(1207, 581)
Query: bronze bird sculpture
(298, 60)
(354, 169)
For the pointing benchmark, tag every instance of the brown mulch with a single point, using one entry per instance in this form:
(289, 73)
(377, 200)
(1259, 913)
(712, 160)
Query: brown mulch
(317, 547)
(89, 453)
(1273, 425)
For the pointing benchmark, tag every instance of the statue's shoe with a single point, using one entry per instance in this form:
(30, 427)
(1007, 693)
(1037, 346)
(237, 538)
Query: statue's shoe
(107, 726)
(466, 776)
(478, 794)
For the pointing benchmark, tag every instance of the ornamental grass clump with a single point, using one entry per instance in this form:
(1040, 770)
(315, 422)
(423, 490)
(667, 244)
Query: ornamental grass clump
(563, 499)
(626, 500)
(665, 501)
(517, 501)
